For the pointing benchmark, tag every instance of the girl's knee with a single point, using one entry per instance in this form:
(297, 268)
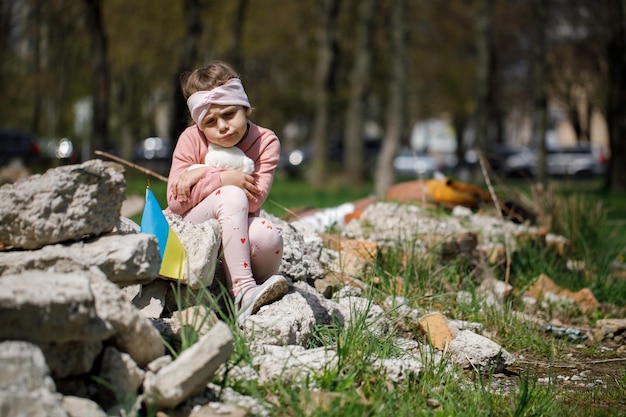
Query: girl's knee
(264, 234)
(232, 192)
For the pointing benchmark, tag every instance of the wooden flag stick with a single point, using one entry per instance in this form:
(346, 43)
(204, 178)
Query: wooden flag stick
(132, 165)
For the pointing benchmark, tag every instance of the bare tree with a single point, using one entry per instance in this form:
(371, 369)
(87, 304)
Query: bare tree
(191, 41)
(101, 82)
(616, 101)
(360, 80)
(576, 72)
(540, 102)
(237, 27)
(324, 85)
(396, 106)
(6, 14)
(484, 72)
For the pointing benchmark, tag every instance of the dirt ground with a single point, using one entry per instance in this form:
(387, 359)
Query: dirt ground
(592, 378)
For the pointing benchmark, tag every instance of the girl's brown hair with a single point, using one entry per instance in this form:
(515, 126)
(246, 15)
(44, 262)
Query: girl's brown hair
(207, 78)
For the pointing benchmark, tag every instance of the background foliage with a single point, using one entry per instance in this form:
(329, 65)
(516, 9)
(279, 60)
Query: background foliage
(49, 63)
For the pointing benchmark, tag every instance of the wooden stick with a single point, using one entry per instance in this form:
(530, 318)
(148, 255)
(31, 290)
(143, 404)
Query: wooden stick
(132, 165)
(496, 203)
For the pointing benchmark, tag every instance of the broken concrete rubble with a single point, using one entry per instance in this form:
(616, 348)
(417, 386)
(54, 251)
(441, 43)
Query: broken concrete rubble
(473, 350)
(546, 291)
(25, 384)
(64, 296)
(192, 369)
(126, 260)
(63, 204)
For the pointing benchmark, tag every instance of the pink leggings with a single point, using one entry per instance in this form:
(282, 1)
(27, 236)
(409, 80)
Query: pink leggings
(252, 246)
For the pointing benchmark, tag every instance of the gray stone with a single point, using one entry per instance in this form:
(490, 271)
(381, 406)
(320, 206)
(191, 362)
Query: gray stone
(202, 245)
(23, 367)
(125, 260)
(190, 372)
(391, 224)
(609, 328)
(399, 370)
(150, 299)
(292, 319)
(121, 373)
(300, 258)
(65, 203)
(48, 307)
(133, 333)
(293, 363)
(81, 407)
(228, 395)
(26, 388)
(354, 309)
(71, 358)
(125, 226)
(493, 291)
(469, 349)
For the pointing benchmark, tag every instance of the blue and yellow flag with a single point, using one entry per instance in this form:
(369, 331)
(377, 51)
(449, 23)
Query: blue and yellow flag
(173, 256)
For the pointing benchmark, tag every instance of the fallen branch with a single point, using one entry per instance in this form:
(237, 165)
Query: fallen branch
(496, 202)
(572, 365)
(132, 165)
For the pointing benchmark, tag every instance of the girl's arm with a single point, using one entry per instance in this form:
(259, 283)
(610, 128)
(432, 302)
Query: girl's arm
(190, 150)
(265, 164)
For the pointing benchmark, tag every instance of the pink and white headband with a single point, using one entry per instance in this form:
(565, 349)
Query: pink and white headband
(229, 93)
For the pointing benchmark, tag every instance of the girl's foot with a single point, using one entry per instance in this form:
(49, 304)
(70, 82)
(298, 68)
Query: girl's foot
(251, 299)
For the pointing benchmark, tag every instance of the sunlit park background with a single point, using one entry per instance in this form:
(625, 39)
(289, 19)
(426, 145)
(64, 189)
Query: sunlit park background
(362, 94)
(527, 97)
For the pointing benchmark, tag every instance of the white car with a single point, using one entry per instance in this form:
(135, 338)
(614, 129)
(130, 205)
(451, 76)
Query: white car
(410, 163)
(581, 161)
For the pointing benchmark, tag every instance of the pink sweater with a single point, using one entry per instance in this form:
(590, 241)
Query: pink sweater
(260, 144)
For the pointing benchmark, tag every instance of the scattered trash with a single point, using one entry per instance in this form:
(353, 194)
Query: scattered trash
(573, 334)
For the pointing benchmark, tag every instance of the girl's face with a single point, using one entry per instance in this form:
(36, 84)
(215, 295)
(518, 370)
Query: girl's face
(225, 125)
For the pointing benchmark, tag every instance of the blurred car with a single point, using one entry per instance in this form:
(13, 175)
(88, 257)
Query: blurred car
(18, 146)
(519, 163)
(154, 149)
(410, 163)
(580, 161)
(294, 162)
(508, 160)
(61, 150)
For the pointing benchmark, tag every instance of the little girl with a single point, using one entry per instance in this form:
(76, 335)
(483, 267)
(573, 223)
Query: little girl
(252, 247)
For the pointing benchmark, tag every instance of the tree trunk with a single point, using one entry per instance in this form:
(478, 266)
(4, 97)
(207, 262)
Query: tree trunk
(396, 107)
(586, 135)
(459, 123)
(237, 28)
(38, 97)
(101, 78)
(359, 89)
(189, 58)
(539, 94)
(484, 67)
(574, 116)
(6, 18)
(324, 85)
(616, 102)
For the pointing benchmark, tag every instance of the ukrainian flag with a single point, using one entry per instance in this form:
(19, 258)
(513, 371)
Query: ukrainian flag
(173, 256)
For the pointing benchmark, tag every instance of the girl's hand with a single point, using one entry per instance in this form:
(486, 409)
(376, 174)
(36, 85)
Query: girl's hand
(242, 180)
(183, 184)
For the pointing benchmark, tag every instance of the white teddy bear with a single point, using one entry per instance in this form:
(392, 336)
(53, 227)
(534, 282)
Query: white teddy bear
(226, 158)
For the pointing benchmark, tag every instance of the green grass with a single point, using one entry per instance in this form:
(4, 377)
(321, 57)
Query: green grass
(593, 220)
(285, 194)
(354, 387)
(288, 195)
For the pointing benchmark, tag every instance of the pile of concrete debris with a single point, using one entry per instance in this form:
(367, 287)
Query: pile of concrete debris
(85, 313)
